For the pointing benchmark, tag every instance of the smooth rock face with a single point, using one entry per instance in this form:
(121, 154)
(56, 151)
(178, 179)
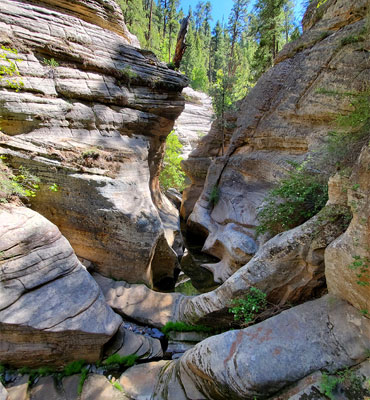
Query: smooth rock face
(284, 118)
(94, 124)
(261, 360)
(347, 259)
(3, 393)
(289, 268)
(51, 309)
(127, 342)
(97, 387)
(195, 121)
(138, 302)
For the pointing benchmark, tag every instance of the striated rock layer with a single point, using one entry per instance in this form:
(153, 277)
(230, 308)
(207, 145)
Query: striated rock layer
(285, 117)
(195, 121)
(92, 118)
(260, 360)
(51, 309)
(347, 259)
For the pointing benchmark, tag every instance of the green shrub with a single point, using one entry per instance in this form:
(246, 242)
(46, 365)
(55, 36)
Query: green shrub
(344, 145)
(118, 386)
(182, 327)
(245, 310)
(127, 361)
(10, 68)
(82, 380)
(172, 175)
(51, 62)
(361, 266)
(74, 367)
(21, 183)
(293, 201)
(214, 196)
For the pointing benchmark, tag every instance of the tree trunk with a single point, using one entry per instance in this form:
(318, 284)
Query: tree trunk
(149, 34)
(180, 44)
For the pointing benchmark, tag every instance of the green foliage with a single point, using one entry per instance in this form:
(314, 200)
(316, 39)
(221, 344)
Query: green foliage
(127, 361)
(19, 183)
(82, 380)
(350, 382)
(75, 367)
(182, 327)
(50, 62)
(54, 187)
(361, 266)
(293, 201)
(328, 384)
(118, 386)
(246, 309)
(214, 196)
(344, 145)
(10, 69)
(172, 175)
(352, 39)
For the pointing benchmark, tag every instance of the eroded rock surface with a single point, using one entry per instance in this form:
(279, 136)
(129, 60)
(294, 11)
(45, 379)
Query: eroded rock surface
(284, 118)
(92, 119)
(260, 360)
(127, 342)
(138, 302)
(347, 259)
(51, 309)
(195, 121)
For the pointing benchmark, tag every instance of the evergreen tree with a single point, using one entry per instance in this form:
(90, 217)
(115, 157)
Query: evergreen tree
(271, 20)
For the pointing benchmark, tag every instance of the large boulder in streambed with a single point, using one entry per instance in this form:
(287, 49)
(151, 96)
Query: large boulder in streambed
(259, 361)
(51, 309)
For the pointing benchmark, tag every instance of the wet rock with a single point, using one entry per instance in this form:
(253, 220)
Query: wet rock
(51, 310)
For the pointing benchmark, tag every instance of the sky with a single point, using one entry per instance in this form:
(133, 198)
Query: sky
(221, 9)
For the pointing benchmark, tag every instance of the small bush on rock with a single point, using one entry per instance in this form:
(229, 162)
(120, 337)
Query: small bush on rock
(293, 201)
(245, 310)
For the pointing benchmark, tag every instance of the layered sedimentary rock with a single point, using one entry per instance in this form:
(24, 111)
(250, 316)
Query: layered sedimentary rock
(261, 360)
(285, 118)
(347, 259)
(51, 309)
(92, 118)
(195, 121)
(289, 268)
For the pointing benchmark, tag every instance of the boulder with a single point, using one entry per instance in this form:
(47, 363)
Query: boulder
(261, 360)
(97, 387)
(289, 268)
(347, 259)
(51, 309)
(127, 342)
(92, 125)
(284, 118)
(138, 302)
(4, 395)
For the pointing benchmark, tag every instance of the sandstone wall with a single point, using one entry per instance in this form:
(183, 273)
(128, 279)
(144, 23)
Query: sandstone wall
(92, 118)
(285, 117)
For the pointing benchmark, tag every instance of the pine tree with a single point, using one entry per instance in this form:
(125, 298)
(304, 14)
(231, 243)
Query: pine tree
(269, 24)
